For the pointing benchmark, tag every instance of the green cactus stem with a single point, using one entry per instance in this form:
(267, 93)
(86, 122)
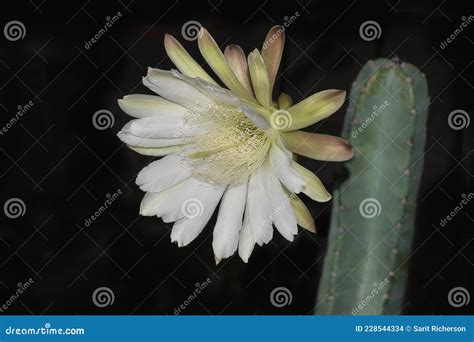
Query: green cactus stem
(373, 214)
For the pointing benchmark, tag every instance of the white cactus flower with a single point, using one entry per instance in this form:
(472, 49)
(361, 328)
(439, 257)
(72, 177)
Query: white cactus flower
(230, 145)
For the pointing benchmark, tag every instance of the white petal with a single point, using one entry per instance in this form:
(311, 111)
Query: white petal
(134, 141)
(283, 215)
(169, 203)
(229, 221)
(156, 151)
(169, 127)
(140, 106)
(160, 203)
(214, 92)
(259, 209)
(149, 203)
(163, 174)
(246, 242)
(175, 89)
(187, 229)
(281, 162)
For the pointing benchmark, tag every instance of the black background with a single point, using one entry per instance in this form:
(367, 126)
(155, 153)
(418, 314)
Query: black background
(63, 168)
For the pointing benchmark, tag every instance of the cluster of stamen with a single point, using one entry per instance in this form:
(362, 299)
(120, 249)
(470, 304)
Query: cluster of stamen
(223, 146)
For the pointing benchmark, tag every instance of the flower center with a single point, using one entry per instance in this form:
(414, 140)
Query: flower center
(224, 146)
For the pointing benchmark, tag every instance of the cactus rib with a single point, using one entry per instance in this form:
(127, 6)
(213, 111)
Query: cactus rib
(365, 267)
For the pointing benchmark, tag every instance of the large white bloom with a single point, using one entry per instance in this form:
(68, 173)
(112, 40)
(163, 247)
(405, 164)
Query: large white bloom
(234, 146)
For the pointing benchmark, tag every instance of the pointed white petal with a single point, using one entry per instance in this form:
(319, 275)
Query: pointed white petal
(163, 127)
(188, 228)
(140, 106)
(259, 209)
(229, 221)
(134, 141)
(156, 151)
(281, 162)
(150, 202)
(170, 200)
(175, 89)
(246, 242)
(163, 174)
(283, 215)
